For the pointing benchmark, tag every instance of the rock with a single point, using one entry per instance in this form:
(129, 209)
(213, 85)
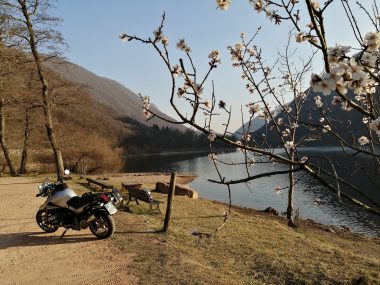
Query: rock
(347, 229)
(180, 189)
(271, 211)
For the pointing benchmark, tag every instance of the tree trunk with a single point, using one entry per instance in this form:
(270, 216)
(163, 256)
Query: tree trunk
(289, 210)
(24, 156)
(44, 93)
(2, 141)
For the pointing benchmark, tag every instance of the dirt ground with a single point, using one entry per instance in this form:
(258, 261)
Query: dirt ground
(30, 256)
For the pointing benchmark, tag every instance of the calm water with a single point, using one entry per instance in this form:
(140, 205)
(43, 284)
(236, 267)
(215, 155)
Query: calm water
(260, 194)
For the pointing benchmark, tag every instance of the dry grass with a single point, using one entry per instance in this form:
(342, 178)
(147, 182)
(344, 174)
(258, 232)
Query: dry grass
(252, 248)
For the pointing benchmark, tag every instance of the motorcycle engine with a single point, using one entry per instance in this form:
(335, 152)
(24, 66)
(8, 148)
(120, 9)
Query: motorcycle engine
(61, 217)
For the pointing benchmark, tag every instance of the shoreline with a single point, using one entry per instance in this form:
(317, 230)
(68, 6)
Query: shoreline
(150, 178)
(179, 152)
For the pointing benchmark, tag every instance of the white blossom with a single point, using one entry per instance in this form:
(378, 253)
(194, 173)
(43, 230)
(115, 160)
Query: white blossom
(253, 108)
(258, 5)
(372, 40)
(318, 101)
(158, 35)
(287, 109)
(346, 106)
(165, 41)
(286, 132)
(223, 4)
(250, 160)
(315, 4)
(214, 55)
(176, 70)
(277, 190)
(337, 52)
(212, 156)
(301, 37)
(326, 128)
(198, 89)
(304, 159)
(336, 100)
(246, 137)
(375, 126)
(123, 37)
(363, 140)
(183, 46)
(289, 145)
(211, 136)
(146, 105)
(239, 143)
(369, 60)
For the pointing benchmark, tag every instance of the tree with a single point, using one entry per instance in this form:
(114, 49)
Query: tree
(31, 27)
(8, 61)
(350, 78)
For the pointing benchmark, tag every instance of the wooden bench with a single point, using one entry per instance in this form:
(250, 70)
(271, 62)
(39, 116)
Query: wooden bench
(136, 194)
(102, 184)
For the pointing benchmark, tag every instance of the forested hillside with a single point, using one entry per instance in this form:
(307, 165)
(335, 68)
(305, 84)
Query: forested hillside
(94, 132)
(348, 125)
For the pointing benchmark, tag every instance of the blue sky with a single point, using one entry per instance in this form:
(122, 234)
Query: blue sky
(91, 30)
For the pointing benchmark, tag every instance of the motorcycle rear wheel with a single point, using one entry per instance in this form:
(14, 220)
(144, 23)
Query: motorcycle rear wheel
(103, 226)
(40, 218)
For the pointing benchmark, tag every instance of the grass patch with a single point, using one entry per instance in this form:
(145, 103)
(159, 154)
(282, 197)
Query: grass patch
(252, 248)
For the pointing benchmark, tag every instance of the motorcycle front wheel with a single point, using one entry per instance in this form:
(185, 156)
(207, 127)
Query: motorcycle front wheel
(103, 226)
(40, 218)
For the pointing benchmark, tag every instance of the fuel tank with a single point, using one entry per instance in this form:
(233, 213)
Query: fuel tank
(61, 197)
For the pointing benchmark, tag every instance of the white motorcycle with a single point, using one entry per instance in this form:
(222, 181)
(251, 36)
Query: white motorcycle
(63, 208)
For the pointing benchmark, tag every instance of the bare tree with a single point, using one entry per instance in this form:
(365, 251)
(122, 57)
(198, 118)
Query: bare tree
(4, 146)
(353, 77)
(31, 27)
(7, 62)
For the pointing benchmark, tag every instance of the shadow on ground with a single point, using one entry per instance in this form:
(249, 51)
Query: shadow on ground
(37, 238)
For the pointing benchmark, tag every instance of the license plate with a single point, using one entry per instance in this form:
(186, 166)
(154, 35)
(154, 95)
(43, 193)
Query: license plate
(110, 208)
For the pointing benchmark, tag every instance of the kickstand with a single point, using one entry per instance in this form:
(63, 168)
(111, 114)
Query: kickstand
(64, 232)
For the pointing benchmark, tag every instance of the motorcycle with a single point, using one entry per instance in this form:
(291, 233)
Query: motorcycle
(63, 208)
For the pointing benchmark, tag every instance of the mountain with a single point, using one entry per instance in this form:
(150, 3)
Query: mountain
(97, 121)
(255, 124)
(110, 93)
(348, 124)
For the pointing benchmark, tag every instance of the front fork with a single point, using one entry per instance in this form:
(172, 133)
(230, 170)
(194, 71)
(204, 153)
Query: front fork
(44, 207)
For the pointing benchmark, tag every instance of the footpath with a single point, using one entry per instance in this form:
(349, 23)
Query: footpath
(30, 256)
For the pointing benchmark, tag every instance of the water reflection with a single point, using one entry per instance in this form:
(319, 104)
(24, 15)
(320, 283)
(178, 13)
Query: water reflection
(260, 194)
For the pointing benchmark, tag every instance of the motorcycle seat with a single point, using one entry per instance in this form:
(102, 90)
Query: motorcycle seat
(76, 202)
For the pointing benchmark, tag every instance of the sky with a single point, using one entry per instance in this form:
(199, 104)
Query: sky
(91, 29)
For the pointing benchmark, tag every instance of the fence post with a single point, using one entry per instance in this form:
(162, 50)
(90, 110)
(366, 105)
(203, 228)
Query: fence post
(170, 202)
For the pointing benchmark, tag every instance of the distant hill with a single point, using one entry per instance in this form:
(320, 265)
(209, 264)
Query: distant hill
(344, 122)
(256, 124)
(97, 121)
(348, 124)
(110, 93)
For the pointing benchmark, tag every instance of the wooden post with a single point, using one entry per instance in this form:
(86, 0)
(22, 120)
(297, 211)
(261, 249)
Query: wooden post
(170, 202)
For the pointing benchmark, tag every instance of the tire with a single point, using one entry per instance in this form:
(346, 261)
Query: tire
(103, 226)
(40, 219)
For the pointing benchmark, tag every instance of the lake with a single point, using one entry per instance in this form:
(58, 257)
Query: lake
(260, 194)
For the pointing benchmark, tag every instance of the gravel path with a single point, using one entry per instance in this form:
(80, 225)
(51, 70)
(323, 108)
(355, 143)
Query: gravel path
(30, 256)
